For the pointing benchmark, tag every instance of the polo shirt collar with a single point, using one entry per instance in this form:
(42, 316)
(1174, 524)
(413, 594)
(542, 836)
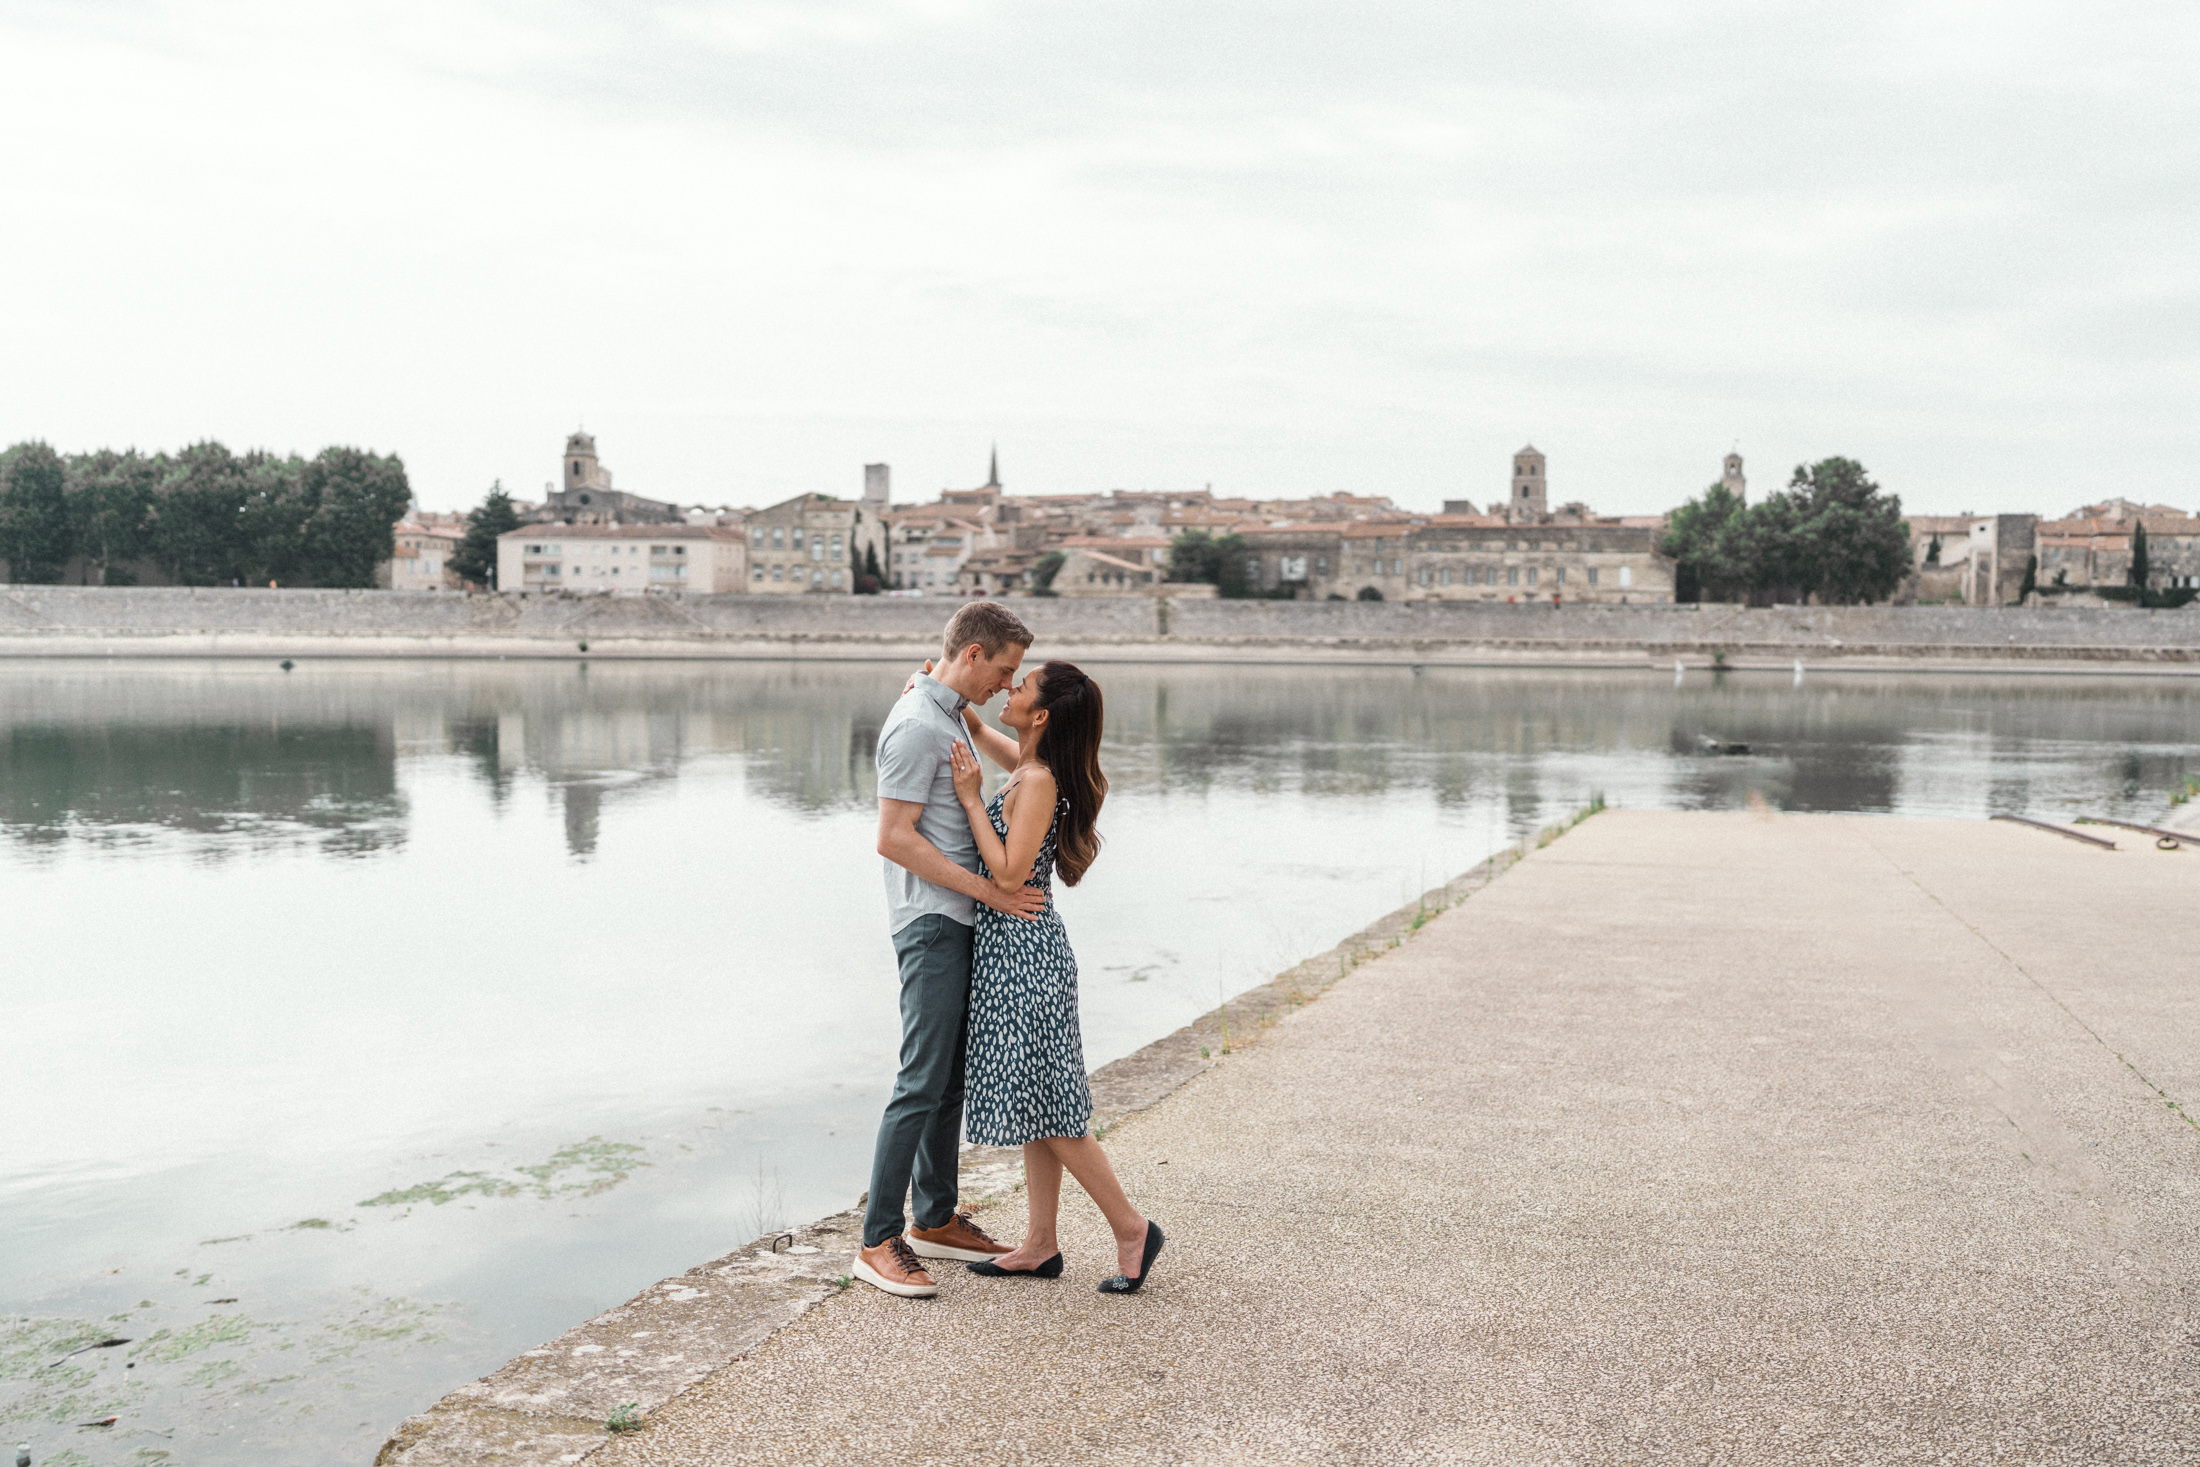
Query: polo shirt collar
(951, 702)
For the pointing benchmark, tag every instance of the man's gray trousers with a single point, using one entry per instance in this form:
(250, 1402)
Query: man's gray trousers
(919, 1139)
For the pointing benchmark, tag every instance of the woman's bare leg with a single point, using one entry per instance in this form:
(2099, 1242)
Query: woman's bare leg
(1043, 1197)
(1090, 1166)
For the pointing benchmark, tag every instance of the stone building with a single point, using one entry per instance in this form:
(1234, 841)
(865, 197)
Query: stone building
(584, 495)
(1299, 557)
(2092, 546)
(814, 544)
(622, 559)
(1565, 558)
(1104, 565)
(1520, 552)
(422, 546)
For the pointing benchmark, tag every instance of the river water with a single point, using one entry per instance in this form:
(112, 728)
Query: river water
(371, 1022)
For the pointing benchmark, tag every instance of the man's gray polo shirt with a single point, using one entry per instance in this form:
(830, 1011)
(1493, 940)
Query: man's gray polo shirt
(913, 765)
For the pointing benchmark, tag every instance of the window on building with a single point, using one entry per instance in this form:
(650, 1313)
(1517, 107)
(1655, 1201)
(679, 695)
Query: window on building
(1426, 575)
(1531, 575)
(1592, 575)
(756, 539)
(534, 550)
(1512, 575)
(1397, 567)
(1321, 564)
(817, 547)
(779, 537)
(836, 546)
(779, 572)
(757, 574)
(1252, 567)
(1627, 575)
(1446, 578)
(835, 580)
(1562, 575)
(817, 578)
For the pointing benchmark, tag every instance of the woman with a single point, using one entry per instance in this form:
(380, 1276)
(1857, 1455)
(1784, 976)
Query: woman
(1026, 1084)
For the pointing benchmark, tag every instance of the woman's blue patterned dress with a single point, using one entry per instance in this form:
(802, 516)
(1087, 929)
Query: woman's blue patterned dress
(1027, 1057)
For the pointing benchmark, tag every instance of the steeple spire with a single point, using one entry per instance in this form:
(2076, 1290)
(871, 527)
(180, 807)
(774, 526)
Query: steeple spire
(993, 469)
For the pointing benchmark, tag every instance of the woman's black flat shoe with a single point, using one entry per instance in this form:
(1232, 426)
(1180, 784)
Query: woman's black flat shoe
(1121, 1285)
(1051, 1269)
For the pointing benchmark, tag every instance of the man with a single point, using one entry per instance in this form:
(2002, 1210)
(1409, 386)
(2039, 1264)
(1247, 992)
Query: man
(932, 885)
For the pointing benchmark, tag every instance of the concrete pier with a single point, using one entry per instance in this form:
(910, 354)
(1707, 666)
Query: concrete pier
(1695, 1138)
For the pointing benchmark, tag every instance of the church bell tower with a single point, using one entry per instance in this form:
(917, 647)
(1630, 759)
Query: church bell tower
(1530, 501)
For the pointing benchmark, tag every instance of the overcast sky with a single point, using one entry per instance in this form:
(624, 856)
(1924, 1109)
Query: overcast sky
(1282, 248)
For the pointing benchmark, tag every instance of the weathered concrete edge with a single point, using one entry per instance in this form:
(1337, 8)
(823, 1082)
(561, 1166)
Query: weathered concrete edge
(549, 1405)
(1708, 652)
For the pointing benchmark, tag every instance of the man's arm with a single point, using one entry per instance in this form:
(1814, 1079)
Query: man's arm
(900, 842)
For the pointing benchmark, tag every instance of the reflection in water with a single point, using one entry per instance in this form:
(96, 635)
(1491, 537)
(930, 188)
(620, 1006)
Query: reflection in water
(248, 783)
(245, 756)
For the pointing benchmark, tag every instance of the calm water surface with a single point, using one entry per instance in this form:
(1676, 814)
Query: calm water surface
(369, 1023)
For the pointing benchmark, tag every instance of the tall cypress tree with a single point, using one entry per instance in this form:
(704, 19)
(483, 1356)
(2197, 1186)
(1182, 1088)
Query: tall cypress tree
(2140, 570)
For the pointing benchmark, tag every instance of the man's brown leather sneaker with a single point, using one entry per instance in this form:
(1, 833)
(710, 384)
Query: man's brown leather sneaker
(892, 1267)
(959, 1239)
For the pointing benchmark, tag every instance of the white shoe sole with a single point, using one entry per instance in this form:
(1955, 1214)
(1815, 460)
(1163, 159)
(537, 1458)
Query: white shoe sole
(877, 1280)
(940, 1250)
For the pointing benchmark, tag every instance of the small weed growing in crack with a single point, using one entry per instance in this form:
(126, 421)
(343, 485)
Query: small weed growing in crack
(625, 1418)
(841, 1284)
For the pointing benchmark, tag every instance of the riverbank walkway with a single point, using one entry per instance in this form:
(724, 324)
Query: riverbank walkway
(1693, 1138)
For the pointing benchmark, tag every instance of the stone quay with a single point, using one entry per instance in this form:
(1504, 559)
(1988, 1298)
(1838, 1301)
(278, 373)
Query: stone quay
(1727, 1138)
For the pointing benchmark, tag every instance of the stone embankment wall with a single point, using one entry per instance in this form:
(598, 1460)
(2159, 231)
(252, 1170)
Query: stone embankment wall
(180, 621)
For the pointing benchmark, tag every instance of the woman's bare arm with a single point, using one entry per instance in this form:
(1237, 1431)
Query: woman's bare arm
(991, 742)
(1028, 809)
(970, 790)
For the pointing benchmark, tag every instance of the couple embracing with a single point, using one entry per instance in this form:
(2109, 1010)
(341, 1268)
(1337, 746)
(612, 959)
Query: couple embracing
(988, 981)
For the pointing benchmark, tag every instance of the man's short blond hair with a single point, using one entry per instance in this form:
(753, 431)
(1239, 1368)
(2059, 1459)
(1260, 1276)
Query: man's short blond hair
(988, 623)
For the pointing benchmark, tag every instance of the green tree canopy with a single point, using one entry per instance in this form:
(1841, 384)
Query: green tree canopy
(35, 533)
(1692, 538)
(1218, 561)
(357, 499)
(1851, 543)
(2141, 572)
(111, 508)
(198, 529)
(1832, 534)
(476, 558)
(1045, 569)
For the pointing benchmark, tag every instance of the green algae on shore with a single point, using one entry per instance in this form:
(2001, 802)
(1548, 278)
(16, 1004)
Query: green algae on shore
(601, 1165)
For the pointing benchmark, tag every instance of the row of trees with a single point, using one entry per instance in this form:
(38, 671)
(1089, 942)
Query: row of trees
(203, 516)
(1832, 534)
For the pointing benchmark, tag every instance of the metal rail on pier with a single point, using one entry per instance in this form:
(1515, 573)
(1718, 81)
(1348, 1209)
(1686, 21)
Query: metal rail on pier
(2184, 837)
(2091, 840)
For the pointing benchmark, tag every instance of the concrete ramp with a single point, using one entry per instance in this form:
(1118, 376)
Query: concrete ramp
(1694, 1138)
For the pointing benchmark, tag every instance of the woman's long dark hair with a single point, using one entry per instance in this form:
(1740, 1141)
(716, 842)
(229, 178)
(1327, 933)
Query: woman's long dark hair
(1070, 749)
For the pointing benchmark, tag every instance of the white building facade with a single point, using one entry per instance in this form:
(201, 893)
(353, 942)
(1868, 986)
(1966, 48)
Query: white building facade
(633, 560)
